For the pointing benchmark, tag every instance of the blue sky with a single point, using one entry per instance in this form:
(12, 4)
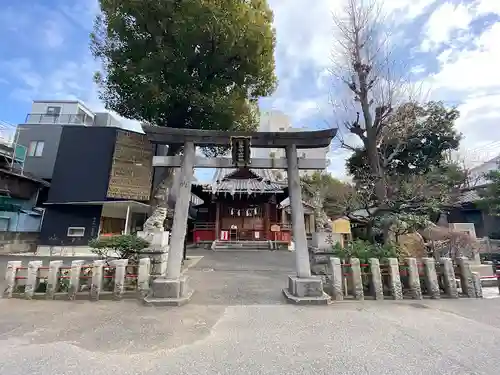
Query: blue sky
(450, 46)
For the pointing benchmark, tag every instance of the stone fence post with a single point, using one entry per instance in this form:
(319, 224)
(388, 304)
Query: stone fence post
(395, 279)
(32, 279)
(97, 275)
(120, 273)
(466, 277)
(376, 285)
(356, 279)
(53, 281)
(10, 277)
(431, 279)
(336, 280)
(143, 276)
(478, 289)
(449, 279)
(74, 281)
(413, 278)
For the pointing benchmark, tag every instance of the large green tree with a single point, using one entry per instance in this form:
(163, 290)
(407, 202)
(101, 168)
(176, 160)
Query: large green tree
(331, 193)
(197, 64)
(490, 194)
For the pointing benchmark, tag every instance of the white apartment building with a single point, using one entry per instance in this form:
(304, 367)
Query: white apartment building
(68, 112)
(277, 121)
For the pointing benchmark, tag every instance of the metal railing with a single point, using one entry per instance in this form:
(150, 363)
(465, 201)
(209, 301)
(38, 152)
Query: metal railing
(77, 119)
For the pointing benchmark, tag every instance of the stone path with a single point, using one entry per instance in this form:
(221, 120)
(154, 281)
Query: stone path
(240, 278)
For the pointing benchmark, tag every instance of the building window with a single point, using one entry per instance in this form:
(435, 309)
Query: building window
(36, 148)
(76, 231)
(53, 110)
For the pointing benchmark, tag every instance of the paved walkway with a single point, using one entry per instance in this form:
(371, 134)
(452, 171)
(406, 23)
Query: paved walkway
(237, 323)
(240, 278)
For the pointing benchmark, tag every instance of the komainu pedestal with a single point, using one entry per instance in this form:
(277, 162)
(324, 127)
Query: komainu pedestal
(157, 250)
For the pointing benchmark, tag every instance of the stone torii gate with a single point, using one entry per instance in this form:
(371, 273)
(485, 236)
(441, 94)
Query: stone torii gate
(302, 288)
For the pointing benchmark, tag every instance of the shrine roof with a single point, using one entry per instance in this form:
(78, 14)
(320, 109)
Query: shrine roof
(243, 180)
(247, 186)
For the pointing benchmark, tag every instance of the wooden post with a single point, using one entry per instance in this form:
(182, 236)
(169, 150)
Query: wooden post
(217, 220)
(267, 221)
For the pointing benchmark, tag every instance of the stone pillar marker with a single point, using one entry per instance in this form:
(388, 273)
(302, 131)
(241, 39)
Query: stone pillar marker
(302, 288)
(395, 279)
(10, 277)
(449, 280)
(356, 279)
(172, 289)
(431, 279)
(74, 281)
(32, 280)
(97, 274)
(53, 281)
(413, 278)
(120, 273)
(336, 280)
(376, 286)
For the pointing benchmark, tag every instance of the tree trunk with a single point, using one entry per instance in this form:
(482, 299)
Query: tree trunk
(162, 200)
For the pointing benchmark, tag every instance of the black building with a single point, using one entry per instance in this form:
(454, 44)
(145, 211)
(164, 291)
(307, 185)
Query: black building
(101, 185)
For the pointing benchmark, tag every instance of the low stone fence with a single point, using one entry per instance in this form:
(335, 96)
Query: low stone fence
(100, 279)
(396, 280)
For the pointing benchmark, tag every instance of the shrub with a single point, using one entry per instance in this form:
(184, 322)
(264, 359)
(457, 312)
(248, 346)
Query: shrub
(127, 246)
(365, 250)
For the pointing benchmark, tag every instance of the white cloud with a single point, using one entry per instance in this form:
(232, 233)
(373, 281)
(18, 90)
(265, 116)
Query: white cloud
(472, 69)
(446, 19)
(469, 76)
(54, 36)
(403, 11)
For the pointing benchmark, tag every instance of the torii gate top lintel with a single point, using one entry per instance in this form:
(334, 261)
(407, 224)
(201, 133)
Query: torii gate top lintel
(306, 139)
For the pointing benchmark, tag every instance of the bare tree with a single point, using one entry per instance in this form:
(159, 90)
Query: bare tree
(375, 84)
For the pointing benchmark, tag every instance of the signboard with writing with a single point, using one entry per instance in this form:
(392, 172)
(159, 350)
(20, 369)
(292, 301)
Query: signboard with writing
(275, 228)
(240, 151)
(132, 171)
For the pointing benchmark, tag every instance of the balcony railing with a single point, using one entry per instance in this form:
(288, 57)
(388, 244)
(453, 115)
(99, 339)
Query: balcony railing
(77, 119)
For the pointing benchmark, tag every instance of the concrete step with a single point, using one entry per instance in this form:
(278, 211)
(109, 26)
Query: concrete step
(241, 245)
